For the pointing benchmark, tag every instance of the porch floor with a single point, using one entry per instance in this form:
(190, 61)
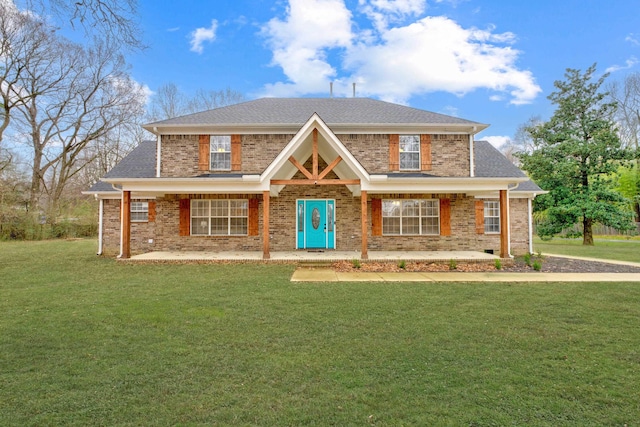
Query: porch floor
(315, 256)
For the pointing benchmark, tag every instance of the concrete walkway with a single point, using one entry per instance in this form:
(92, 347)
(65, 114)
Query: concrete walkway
(328, 275)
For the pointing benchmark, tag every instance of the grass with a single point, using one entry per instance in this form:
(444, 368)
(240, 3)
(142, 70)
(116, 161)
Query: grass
(605, 248)
(88, 341)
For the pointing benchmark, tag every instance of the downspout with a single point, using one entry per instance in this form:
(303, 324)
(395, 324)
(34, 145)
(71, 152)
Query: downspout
(530, 225)
(509, 219)
(121, 218)
(472, 160)
(158, 151)
(100, 225)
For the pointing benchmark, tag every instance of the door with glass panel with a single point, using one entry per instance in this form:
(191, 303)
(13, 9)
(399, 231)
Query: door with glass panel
(315, 224)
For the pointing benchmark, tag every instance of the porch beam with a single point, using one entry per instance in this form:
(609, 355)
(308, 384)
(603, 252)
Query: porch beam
(315, 154)
(329, 168)
(504, 225)
(364, 222)
(315, 182)
(126, 225)
(300, 167)
(265, 225)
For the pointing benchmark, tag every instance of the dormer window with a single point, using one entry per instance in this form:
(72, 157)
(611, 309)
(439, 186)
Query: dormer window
(220, 152)
(409, 152)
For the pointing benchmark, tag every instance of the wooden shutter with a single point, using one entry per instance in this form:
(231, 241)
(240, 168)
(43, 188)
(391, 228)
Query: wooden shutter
(204, 153)
(425, 152)
(185, 217)
(479, 217)
(376, 217)
(152, 211)
(254, 217)
(394, 152)
(445, 217)
(236, 152)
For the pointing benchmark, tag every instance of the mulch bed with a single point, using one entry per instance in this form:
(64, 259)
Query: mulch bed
(548, 264)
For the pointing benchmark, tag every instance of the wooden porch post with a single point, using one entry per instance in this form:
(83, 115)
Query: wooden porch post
(126, 224)
(504, 225)
(363, 204)
(265, 225)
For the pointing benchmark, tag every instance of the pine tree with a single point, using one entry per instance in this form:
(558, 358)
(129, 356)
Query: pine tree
(573, 156)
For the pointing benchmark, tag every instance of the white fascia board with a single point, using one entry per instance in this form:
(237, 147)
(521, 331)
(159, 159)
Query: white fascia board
(237, 185)
(103, 194)
(437, 185)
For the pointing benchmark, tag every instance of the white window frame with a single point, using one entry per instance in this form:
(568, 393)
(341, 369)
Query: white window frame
(404, 139)
(492, 212)
(210, 216)
(220, 152)
(398, 206)
(139, 211)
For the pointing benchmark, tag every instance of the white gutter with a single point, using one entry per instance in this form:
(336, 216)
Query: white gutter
(100, 226)
(158, 152)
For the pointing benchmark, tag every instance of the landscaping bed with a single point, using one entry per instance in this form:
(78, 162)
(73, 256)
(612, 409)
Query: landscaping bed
(545, 263)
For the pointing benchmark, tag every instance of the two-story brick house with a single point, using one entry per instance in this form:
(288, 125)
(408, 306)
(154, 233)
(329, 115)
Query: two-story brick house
(350, 174)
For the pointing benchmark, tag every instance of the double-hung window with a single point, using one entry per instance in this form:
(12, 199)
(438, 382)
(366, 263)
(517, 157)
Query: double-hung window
(411, 217)
(409, 152)
(219, 217)
(139, 211)
(220, 152)
(491, 217)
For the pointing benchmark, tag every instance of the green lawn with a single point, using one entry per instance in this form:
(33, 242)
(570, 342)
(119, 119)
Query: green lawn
(605, 247)
(88, 341)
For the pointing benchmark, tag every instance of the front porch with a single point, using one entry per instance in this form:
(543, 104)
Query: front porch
(311, 256)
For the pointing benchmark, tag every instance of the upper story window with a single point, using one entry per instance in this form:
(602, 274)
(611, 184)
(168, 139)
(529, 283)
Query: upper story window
(220, 152)
(139, 211)
(409, 152)
(491, 217)
(411, 217)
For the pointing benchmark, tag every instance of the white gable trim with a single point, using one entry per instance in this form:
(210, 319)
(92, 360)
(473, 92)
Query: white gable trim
(315, 122)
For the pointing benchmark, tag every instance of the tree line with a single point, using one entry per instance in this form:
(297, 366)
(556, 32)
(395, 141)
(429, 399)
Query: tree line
(70, 111)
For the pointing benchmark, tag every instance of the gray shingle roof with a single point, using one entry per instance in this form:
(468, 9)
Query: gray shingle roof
(490, 162)
(296, 111)
(139, 163)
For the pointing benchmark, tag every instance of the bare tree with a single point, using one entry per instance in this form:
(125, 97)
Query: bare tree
(113, 21)
(169, 101)
(25, 47)
(69, 97)
(627, 95)
(210, 99)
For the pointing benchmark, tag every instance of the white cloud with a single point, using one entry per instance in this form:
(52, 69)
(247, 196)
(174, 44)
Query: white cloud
(384, 12)
(629, 63)
(173, 29)
(201, 35)
(391, 62)
(633, 39)
(300, 43)
(496, 141)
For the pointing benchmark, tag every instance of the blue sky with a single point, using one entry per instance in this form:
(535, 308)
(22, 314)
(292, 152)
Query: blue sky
(489, 61)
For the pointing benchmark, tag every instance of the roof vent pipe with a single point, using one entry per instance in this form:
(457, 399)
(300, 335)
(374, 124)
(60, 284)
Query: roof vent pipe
(354, 89)
(331, 89)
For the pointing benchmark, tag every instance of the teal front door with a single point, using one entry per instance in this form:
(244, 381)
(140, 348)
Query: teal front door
(316, 224)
